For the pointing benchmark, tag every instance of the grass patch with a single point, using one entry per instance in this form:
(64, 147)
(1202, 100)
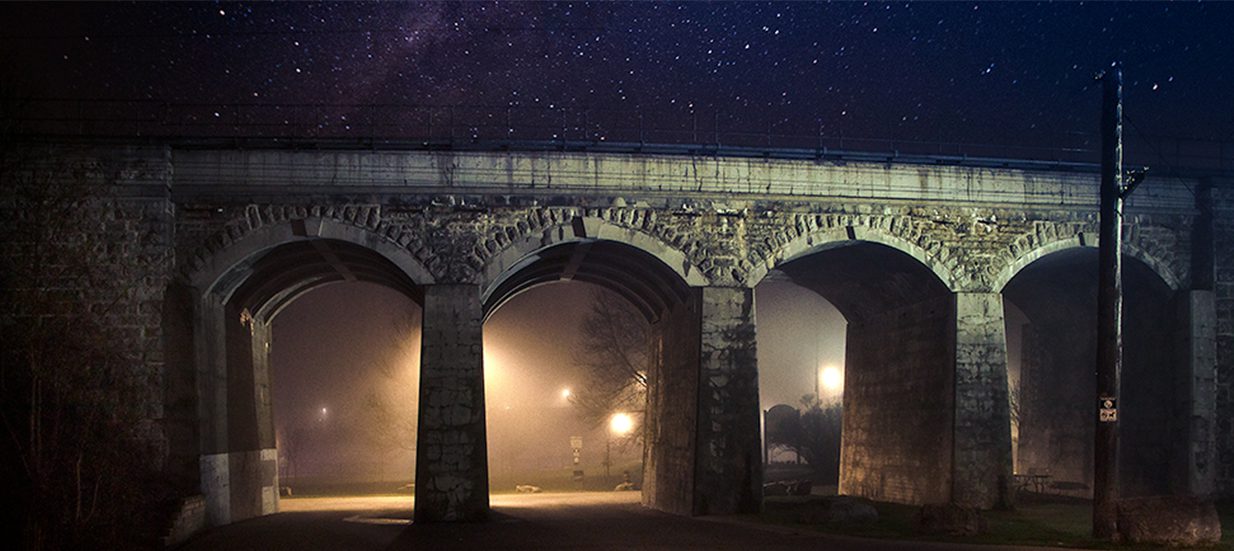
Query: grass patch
(1037, 520)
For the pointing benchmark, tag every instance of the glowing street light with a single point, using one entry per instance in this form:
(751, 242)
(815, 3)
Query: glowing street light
(566, 393)
(831, 378)
(620, 424)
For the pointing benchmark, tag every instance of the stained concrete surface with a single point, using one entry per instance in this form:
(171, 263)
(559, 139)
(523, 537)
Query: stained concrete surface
(583, 521)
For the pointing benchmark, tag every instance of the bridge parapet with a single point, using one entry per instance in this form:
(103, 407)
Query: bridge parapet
(691, 179)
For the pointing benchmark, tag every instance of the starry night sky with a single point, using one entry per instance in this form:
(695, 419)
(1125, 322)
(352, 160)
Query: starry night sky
(1001, 73)
(1018, 73)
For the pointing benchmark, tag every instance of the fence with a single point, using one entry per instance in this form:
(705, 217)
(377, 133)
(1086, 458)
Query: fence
(445, 126)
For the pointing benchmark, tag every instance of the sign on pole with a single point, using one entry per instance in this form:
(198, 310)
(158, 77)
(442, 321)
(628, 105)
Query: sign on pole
(1107, 408)
(576, 448)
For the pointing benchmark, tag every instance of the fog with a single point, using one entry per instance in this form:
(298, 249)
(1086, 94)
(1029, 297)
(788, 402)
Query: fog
(799, 334)
(344, 375)
(352, 349)
(345, 360)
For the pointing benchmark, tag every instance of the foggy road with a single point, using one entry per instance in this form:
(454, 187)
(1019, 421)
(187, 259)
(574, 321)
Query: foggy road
(591, 521)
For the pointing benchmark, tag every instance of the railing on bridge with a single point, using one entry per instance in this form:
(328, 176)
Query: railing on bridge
(445, 126)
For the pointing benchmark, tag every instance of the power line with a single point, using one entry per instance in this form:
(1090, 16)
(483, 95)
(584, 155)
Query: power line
(1172, 169)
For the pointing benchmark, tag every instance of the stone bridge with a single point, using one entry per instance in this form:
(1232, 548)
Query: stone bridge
(924, 257)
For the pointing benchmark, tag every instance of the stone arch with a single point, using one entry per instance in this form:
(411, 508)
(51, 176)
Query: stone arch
(1031, 247)
(263, 228)
(899, 305)
(650, 265)
(1050, 296)
(230, 289)
(506, 248)
(815, 233)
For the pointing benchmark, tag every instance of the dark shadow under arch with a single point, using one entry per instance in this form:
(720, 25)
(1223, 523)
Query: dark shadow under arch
(1056, 389)
(899, 360)
(635, 275)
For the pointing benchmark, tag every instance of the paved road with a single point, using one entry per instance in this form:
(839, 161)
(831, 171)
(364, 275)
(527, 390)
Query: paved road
(577, 521)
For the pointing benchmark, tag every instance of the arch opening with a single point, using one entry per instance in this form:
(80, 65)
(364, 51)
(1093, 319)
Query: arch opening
(233, 329)
(344, 382)
(1051, 318)
(566, 390)
(666, 311)
(885, 320)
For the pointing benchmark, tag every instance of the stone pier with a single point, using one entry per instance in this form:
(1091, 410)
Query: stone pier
(451, 450)
(982, 470)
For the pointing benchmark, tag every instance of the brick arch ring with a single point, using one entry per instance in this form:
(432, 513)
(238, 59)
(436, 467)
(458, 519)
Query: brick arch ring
(505, 262)
(248, 238)
(822, 239)
(1130, 248)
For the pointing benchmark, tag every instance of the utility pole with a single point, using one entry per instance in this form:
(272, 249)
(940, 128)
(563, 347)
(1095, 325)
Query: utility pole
(1109, 308)
(1110, 305)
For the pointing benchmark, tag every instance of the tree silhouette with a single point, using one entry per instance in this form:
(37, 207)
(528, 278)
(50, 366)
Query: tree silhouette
(613, 354)
(813, 434)
(76, 454)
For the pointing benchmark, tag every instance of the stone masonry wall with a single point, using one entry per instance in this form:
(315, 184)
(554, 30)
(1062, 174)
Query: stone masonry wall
(672, 411)
(1223, 237)
(451, 449)
(728, 477)
(104, 223)
(982, 470)
(897, 426)
(84, 258)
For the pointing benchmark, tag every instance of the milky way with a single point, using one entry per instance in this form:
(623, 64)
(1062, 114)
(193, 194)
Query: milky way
(990, 73)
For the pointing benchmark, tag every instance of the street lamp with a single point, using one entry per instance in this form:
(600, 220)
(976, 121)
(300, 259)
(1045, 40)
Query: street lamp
(620, 424)
(566, 393)
(831, 378)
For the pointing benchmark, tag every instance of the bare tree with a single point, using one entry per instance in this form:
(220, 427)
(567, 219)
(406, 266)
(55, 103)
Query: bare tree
(75, 456)
(390, 409)
(291, 444)
(613, 353)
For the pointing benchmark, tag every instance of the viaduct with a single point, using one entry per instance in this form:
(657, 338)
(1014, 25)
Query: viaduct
(925, 257)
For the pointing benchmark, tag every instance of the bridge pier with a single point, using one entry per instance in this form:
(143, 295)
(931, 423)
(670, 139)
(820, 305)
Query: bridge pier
(729, 463)
(1197, 396)
(703, 450)
(238, 460)
(981, 464)
(451, 452)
